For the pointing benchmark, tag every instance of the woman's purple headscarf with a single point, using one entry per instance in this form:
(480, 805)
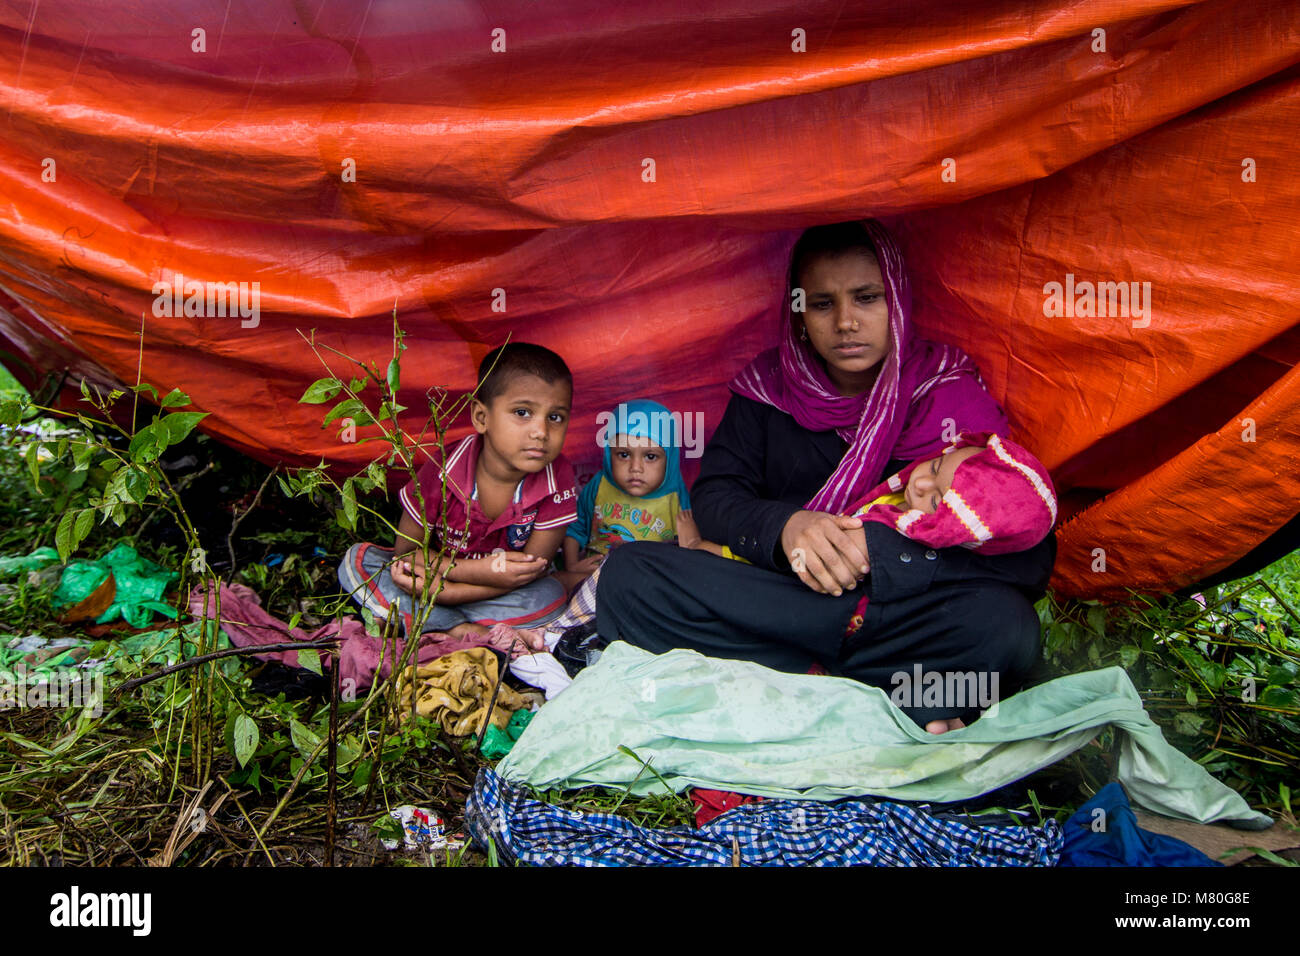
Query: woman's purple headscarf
(899, 416)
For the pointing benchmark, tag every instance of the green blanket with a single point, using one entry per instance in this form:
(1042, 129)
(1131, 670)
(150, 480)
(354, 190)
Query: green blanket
(733, 725)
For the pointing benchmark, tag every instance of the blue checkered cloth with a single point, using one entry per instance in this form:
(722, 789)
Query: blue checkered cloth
(771, 833)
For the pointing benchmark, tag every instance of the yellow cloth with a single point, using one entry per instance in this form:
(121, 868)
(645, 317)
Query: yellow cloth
(897, 498)
(454, 690)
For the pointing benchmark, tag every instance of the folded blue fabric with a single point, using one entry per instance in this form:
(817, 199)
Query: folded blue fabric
(771, 833)
(1105, 832)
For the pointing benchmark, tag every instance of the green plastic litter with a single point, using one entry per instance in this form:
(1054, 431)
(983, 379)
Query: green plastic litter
(497, 742)
(140, 586)
(15, 648)
(30, 562)
(161, 647)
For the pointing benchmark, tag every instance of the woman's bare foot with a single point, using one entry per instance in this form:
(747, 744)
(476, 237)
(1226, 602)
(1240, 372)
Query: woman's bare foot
(943, 726)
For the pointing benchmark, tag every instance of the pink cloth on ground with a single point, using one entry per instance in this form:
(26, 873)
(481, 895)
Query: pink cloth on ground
(248, 624)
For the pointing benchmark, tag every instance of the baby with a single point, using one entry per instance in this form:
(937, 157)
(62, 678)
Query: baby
(983, 492)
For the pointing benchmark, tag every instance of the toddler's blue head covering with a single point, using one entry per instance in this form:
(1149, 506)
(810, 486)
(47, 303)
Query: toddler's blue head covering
(648, 419)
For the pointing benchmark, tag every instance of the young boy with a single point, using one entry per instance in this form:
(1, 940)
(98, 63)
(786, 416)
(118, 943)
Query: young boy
(510, 494)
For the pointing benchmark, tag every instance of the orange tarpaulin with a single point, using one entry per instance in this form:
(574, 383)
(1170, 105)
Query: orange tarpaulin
(1098, 201)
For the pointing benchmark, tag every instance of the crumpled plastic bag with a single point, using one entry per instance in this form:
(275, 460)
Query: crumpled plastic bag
(30, 562)
(140, 586)
(498, 742)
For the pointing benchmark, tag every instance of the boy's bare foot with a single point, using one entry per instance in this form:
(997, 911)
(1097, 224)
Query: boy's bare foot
(943, 726)
(468, 629)
(516, 641)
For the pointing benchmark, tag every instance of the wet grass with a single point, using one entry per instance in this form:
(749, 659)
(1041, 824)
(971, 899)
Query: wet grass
(127, 788)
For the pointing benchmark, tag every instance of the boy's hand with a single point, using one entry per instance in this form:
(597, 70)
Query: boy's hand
(688, 532)
(408, 572)
(514, 569)
(589, 564)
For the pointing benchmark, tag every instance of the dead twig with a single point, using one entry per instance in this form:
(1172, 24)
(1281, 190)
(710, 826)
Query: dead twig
(234, 525)
(135, 682)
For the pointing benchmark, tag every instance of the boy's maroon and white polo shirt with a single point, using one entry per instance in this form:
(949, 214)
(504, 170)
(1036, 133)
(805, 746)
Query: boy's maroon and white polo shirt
(543, 500)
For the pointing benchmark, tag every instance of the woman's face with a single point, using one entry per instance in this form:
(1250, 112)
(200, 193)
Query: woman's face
(846, 317)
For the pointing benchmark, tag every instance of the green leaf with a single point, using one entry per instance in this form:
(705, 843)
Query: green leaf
(304, 739)
(180, 424)
(1191, 697)
(350, 504)
(310, 660)
(1282, 674)
(148, 443)
(394, 374)
(1270, 856)
(349, 749)
(1280, 697)
(321, 391)
(1097, 620)
(10, 412)
(246, 737)
(358, 384)
(1188, 724)
(146, 387)
(134, 484)
(175, 399)
(361, 776)
(34, 464)
(85, 521)
(82, 453)
(63, 535)
(1128, 656)
(352, 408)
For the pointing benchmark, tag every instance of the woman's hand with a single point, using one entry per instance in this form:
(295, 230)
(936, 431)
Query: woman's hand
(828, 552)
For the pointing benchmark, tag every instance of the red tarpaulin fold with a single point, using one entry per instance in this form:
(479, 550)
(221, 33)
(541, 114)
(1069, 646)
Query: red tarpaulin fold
(632, 178)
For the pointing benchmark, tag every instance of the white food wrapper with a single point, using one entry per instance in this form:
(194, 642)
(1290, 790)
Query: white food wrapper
(420, 829)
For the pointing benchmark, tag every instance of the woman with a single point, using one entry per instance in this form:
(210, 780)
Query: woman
(848, 397)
